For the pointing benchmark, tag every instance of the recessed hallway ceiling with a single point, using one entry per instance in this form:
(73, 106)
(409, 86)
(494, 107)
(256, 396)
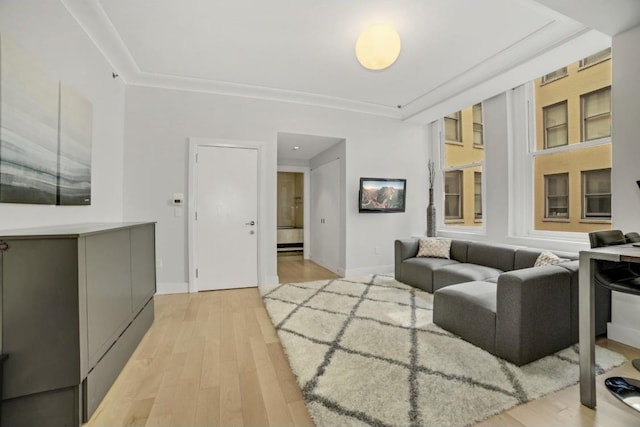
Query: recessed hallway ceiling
(303, 50)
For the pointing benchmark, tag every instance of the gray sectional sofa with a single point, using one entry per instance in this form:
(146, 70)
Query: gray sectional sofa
(492, 296)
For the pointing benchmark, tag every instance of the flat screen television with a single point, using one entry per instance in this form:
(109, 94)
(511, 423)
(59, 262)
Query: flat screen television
(382, 195)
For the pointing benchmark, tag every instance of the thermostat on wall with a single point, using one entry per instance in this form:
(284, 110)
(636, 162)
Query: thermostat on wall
(178, 199)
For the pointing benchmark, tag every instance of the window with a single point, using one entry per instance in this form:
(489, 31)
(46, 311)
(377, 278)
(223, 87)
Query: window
(477, 195)
(478, 138)
(595, 58)
(554, 75)
(555, 125)
(596, 114)
(557, 196)
(566, 132)
(452, 127)
(453, 195)
(596, 194)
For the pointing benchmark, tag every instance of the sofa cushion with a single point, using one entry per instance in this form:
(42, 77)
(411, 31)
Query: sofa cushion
(469, 311)
(500, 257)
(434, 247)
(462, 272)
(459, 250)
(418, 272)
(525, 258)
(548, 258)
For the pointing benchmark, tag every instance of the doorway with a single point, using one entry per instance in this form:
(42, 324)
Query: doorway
(225, 226)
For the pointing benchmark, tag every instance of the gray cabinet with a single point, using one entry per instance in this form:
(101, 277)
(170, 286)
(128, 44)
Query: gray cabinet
(76, 301)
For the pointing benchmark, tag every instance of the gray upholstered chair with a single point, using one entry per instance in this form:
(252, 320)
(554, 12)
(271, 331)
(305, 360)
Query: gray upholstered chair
(632, 237)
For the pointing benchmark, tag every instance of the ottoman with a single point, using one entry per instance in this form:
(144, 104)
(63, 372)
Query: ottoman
(469, 311)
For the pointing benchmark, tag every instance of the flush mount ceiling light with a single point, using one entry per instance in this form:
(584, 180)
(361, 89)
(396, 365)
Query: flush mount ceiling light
(378, 47)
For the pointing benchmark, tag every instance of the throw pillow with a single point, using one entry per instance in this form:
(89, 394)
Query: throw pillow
(548, 258)
(434, 247)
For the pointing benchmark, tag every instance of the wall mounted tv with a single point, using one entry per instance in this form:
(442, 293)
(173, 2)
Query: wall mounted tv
(382, 195)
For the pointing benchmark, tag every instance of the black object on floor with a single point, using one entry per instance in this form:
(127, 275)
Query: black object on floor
(625, 389)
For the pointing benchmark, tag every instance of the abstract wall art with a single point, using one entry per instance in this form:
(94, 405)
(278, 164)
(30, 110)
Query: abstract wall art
(45, 134)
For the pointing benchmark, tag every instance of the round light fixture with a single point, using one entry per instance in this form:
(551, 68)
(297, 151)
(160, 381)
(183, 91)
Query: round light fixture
(378, 47)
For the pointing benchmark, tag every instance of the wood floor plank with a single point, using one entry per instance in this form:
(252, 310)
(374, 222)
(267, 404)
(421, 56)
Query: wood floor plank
(208, 407)
(300, 414)
(286, 379)
(275, 403)
(230, 398)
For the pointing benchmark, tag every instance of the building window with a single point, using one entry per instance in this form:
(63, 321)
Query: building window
(595, 58)
(452, 130)
(556, 188)
(555, 125)
(557, 74)
(478, 138)
(596, 114)
(477, 197)
(596, 194)
(453, 195)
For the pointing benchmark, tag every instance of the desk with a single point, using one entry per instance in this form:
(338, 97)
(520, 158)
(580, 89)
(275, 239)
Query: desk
(588, 265)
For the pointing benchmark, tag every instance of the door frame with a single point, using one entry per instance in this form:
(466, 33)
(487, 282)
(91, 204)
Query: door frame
(194, 143)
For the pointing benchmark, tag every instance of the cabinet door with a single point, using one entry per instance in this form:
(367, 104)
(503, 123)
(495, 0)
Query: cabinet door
(143, 265)
(109, 307)
(40, 315)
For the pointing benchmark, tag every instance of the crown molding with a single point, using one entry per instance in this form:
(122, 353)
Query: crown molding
(94, 21)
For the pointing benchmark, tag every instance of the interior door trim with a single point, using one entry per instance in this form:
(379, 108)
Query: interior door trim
(194, 143)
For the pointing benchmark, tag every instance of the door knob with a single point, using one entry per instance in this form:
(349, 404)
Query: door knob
(250, 223)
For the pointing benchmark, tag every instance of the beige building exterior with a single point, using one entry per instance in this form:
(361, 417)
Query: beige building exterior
(572, 162)
(463, 159)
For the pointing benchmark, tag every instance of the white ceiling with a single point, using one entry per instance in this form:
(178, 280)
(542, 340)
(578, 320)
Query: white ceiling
(303, 50)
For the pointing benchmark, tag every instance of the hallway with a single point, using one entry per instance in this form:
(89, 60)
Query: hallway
(293, 268)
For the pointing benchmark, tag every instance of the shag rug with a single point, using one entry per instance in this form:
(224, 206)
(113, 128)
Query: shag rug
(365, 352)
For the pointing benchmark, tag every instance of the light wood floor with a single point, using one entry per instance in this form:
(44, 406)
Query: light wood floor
(213, 358)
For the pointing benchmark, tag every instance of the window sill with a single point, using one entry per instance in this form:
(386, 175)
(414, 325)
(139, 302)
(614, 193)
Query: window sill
(477, 221)
(556, 220)
(454, 221)
(479, 146)
(595, 221)
(459, 143)
(584, 67)
(555, 79)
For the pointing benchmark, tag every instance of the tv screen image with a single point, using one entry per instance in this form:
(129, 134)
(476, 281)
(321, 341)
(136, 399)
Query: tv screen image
(382, 195)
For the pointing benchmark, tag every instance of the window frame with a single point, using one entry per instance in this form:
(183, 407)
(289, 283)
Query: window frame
(547, 196)
(459, 194)
(458, 126)
(546, 128)
(596, 218)
(477, 182)
(583, 119)
(597, 57)
(478, 125)
(554, 75)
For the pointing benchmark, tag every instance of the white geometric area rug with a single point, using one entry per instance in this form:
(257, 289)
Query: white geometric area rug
(365, 352)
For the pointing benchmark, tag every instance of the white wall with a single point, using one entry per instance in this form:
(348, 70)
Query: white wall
(625, 99)
(52, 36)
(159, 121)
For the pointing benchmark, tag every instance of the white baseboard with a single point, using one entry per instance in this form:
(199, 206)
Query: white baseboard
(163, 288)
(378, 269)
(623, 334)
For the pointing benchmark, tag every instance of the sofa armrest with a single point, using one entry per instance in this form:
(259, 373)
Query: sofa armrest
(533, 313)
(404, 249)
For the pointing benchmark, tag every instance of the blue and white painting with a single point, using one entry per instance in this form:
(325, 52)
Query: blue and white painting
(74, 173)
(28, 128)
(45, 134)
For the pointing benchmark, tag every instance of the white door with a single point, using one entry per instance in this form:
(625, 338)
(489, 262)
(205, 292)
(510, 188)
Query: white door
(325, 214)
(226, 228)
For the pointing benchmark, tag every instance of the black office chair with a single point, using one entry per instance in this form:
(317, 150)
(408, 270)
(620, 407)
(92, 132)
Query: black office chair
(620, 277)
(632, 237)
